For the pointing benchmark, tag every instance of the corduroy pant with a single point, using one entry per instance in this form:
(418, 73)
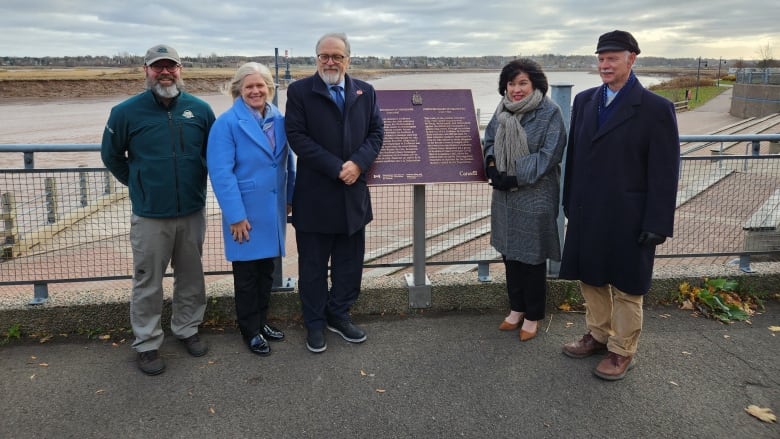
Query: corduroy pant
(613, 317)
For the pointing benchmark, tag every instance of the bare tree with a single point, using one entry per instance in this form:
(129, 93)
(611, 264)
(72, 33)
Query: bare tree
(765, 56)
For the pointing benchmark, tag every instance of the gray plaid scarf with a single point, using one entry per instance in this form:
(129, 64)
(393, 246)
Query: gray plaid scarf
(511, 142)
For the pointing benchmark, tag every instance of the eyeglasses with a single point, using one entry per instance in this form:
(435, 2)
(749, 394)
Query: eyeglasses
(338, 59)
(157, 68)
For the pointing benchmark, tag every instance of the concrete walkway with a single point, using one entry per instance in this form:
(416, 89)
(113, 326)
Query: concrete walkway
(709, 117)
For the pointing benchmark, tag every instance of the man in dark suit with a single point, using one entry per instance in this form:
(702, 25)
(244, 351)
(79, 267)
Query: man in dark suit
(334, 126)
(619, 195)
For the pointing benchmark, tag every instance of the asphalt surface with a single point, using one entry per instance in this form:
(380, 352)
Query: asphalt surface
(421, 376)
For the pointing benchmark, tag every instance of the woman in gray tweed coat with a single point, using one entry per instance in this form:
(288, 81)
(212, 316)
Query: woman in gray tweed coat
(524, 144)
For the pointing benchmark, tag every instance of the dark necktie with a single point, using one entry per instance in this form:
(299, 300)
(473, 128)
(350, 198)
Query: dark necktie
(337, 97)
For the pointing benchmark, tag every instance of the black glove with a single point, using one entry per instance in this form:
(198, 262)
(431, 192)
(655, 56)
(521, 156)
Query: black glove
(650, 239)
(492, 173)
(504, 182)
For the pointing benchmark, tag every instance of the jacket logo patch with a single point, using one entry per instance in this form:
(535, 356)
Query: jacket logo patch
(188, 114)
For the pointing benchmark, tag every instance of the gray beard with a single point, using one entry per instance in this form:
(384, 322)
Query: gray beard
(330, 78)
(168, 92)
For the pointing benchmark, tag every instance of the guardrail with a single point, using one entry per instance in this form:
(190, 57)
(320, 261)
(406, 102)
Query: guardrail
(71, 224)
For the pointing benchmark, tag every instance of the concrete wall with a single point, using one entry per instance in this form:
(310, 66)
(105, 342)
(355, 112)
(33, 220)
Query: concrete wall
(755, 100)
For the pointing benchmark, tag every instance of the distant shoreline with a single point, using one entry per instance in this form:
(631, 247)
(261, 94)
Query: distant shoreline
(78, 83)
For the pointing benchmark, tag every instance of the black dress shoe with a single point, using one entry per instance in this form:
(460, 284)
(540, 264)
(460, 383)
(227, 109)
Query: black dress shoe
(258, 345)
(271, 334)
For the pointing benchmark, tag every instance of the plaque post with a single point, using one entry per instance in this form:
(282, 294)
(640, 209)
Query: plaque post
(561, 95)
(418, 282)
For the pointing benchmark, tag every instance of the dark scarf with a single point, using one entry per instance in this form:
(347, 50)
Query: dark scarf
(606, 110)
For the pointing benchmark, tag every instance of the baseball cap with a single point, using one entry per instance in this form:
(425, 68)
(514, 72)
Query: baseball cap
(161, 51)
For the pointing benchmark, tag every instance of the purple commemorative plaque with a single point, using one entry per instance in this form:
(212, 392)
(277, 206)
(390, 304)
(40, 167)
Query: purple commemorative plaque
(431, 136)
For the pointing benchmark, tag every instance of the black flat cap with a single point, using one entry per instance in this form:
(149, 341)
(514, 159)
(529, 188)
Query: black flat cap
(617, 40)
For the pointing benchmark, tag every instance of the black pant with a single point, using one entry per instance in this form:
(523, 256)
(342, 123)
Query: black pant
(252, 281)
(345, 253)
(526, 285)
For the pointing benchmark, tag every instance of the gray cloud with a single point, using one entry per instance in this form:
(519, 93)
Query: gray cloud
(665, 28)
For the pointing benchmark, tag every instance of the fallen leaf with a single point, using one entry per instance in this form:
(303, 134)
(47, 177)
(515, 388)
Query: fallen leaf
(673, 383)
(33, 357)
(564, 307)
(380, 390)
(362, 373)
(100, 391)
(774, 328)
(726, 336)
(32, 377)
(664, 316)
(105, 337)
(569, 324)
(114, 345)
(211, 410)
(762, 413)
(687, 304)
(45, 339)
(686, 353)
(43, 364)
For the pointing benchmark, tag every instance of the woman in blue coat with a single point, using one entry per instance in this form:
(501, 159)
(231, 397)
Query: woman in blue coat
(252, 173)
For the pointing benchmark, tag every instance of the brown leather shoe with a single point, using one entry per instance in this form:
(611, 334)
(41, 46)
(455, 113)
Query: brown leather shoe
(527, 335)
(614, 367)
(584, 347)
(506, 326)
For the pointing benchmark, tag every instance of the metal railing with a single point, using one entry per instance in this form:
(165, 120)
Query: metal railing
(758, 76)
(71, 224)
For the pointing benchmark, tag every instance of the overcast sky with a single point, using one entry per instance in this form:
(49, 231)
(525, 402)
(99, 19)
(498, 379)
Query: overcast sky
(730, 29)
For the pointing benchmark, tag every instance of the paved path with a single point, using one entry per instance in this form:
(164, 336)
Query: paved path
(425, 376)
(709, 117)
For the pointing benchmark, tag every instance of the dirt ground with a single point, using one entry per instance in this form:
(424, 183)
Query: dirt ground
(72, 89)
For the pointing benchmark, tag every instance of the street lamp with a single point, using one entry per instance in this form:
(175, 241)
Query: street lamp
(698, 69)
(720, 62)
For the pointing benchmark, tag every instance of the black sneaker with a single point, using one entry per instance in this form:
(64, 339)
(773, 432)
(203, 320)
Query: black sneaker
(194, 346)
(315, 341)
(347, 331)
(150, 362)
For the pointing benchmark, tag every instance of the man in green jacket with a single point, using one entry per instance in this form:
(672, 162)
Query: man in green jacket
(155, 144)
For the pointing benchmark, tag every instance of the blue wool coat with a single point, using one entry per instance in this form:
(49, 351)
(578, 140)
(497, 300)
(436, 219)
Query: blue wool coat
(620, 179)
(323, 139)
(251, 180)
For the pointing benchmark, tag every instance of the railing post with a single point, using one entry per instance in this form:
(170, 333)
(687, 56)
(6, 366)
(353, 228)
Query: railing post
(9, 219)
(744, 264)
(29, 160)
(561, 95)
(108, 183)
(483, 272)
(83, 189)
(51, 199)
(418, 282)
(40, 294)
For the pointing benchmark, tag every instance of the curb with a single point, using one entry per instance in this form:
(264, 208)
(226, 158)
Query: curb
(379, 297)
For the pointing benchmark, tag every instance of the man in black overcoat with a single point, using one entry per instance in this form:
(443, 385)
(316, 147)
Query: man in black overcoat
(619, 195)
(334, 127)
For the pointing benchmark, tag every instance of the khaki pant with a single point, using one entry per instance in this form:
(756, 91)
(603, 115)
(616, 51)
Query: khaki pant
(157, 242)
(613, 317)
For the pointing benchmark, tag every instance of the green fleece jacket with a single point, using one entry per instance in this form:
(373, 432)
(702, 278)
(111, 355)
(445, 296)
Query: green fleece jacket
(160, 153)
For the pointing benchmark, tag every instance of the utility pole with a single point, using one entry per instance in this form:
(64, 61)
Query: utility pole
(698, 70)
